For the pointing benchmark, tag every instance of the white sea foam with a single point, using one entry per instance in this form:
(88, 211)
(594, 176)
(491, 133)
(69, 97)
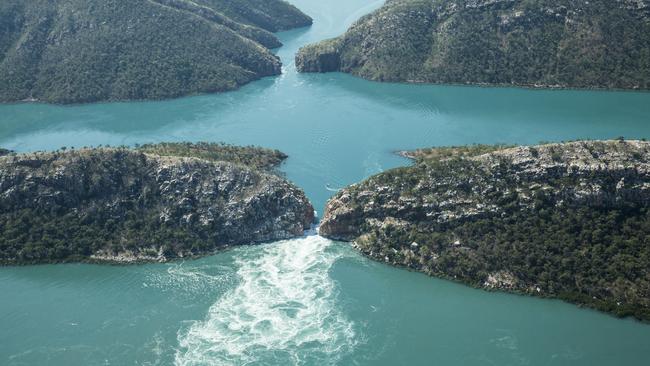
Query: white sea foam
(281, 312)
(331, 189)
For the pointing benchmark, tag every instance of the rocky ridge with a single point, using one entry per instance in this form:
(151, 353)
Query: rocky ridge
(550, 43)
(123, 205)
(564, 220)
(81, 51)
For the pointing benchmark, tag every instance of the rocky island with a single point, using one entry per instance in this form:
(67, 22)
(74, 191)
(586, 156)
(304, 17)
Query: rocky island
(568, 220)
(150, 203)
(547, 43)
(80, 51)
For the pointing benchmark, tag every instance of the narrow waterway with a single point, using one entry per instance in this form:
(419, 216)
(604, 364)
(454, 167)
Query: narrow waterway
(309, 301)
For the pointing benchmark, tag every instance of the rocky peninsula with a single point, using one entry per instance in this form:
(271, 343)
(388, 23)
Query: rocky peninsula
(151, 203)
(83, 51)
(567, 220)
(599, 44)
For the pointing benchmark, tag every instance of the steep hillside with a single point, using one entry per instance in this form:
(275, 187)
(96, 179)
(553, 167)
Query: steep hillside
(569, 221)
(535, 43)
(74, 51)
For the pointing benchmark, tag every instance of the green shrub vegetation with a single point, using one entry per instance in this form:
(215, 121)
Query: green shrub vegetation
(535, 43)
(76, 51)
(252, 156)
(446, 153)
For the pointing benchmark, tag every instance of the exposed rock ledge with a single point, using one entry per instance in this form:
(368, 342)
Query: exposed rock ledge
(125, 205)
(561, 220)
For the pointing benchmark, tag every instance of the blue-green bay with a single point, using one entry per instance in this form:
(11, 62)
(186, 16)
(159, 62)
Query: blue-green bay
(309, 301)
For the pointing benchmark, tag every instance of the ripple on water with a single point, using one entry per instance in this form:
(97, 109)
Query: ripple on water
(191, 278)
(282, 312)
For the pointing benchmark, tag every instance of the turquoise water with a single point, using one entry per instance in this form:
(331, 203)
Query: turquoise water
(309, 301)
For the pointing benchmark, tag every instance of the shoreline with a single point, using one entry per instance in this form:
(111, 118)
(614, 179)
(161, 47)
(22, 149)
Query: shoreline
(443, 277)
(530, 87)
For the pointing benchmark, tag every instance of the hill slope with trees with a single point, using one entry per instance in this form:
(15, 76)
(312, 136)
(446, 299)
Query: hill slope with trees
(533, 43)
(78, 51)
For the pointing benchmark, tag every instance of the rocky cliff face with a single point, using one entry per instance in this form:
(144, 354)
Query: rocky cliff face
(321, 57)
(560, 220)
(548, 43)
(80, 51)
(124, 205)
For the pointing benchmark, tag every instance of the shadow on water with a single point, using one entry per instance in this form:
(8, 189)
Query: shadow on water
(523, 105)
(123, 117)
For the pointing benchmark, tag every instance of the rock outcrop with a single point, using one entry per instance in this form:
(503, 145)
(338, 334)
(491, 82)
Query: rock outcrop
(601, 44)
(568, 220)
(321, 57)
(125, 205)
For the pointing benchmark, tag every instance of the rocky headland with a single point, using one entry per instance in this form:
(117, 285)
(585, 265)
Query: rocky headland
(152, 203)
(599, 44)
(567, 220)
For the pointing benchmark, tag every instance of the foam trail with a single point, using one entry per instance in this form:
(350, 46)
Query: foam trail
(282, 312)
(329, 188)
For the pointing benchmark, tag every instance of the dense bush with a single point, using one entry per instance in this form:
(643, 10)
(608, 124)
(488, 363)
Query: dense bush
(36, 235)
(597, 258)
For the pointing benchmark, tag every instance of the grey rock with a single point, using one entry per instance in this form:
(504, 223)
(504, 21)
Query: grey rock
(216, 204)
